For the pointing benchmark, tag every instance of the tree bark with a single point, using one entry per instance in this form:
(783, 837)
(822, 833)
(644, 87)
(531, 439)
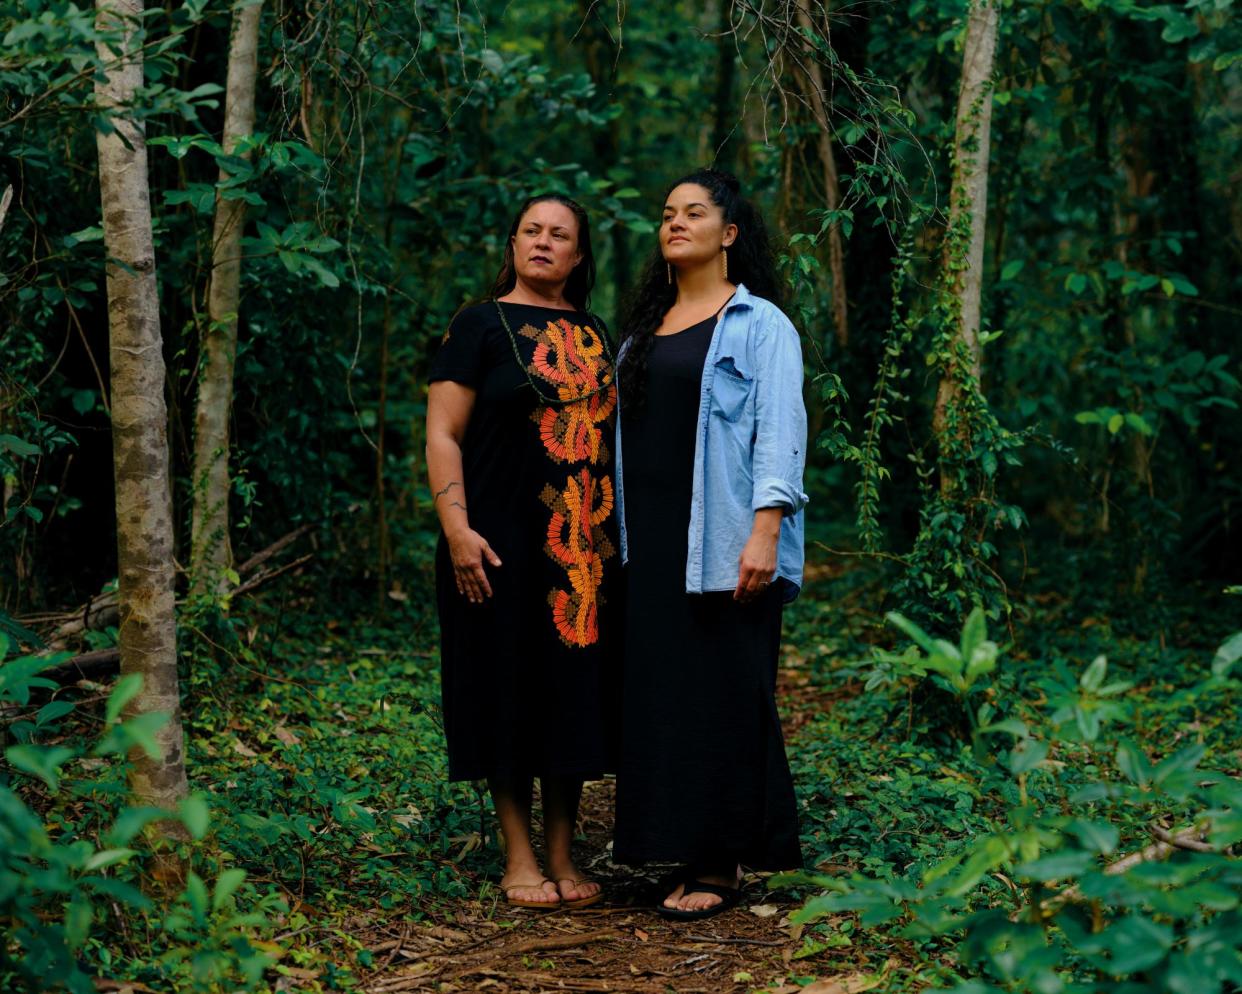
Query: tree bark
(211, 552)
(147, 624)
(968, 212)
(812, 81)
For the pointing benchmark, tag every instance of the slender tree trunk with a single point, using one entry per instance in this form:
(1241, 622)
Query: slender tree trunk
(147, 624)
(211, 552)
(968, 210)
(812, 81)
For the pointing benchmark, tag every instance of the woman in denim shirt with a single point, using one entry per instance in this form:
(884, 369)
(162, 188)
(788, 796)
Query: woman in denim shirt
(710, 449)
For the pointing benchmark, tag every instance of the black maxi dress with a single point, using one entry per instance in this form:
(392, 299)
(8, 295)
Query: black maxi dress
(526, 678)
(703, 777)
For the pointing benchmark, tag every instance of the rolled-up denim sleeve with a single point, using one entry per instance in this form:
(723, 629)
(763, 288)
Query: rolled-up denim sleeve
(779, 453)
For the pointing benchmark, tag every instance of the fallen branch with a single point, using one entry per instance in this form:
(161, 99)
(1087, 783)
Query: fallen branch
(1163, 848)
(271, 574)
(735, 941)
(84, 664)
(263, 555)
(562, 942)
(1183, 840)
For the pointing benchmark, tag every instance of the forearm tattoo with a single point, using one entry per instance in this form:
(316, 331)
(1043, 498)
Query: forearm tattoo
(447, 487)
(457, 503)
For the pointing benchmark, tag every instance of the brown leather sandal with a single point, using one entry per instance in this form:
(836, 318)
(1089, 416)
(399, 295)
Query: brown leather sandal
(581, 902)
(520, 903)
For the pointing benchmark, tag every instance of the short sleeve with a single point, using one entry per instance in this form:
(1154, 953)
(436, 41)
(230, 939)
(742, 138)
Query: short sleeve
(460, 356)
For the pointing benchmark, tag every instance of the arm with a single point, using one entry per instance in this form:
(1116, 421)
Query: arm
(778, 453)
(757, 563)
(448, 412)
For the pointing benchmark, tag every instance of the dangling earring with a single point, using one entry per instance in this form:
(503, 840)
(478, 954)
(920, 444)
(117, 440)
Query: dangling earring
(668, 267)
(724, 263)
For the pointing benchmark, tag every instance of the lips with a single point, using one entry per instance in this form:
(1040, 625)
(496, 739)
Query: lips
(541, 258)
(678, 238)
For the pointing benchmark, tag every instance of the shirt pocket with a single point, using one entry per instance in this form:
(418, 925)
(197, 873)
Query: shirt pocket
(731, 386)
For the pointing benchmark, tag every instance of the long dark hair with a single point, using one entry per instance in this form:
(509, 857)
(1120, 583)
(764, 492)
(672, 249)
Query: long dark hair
(750, 262)
(581, 280)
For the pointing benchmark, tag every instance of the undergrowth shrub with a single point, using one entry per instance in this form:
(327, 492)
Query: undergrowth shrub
(70, 869)
(1109, 872)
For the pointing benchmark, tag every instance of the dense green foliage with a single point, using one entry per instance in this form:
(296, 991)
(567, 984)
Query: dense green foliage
(1093, 511)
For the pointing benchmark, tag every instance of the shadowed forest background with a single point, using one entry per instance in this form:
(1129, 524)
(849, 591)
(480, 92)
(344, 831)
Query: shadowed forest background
(1012, 240)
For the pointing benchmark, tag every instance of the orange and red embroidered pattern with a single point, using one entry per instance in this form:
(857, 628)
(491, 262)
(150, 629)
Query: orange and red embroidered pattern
(572, 359)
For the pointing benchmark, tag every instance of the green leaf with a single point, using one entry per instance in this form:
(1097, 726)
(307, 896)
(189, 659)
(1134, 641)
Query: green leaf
(51, 711)
(17, 446)
(1133, 763)
(1228, 654)
(912, 630)
(196, 896)
(1182, 761)
(1093, 675)
(137, 731)
(1026, 755)
(130, 822)
(1115, 423)
(1014, 726)
(1012, 268)
(1057, 866)
(974, 632)
(226, 884)
(1099, 836)
(195, 815)
(126, 689)
(43, 762)
(108, 857)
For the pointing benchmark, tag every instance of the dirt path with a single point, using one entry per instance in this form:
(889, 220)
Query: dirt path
(621, 945)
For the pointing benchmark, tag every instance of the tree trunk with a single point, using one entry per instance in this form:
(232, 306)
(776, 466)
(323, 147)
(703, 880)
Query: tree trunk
(812, 81)
(968, 213)
(211, 552)
(147, 625)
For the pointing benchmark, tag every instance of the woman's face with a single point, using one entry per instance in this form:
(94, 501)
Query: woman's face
(693, 230)
(545, 248)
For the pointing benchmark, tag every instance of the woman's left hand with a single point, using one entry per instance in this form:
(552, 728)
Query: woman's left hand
(757, 563)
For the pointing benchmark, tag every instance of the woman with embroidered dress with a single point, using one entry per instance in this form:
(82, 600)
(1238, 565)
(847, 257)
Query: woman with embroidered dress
(520, 419)
(710, 451)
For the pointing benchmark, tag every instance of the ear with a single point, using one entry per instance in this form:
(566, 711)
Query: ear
(730, 236)
(577, 259)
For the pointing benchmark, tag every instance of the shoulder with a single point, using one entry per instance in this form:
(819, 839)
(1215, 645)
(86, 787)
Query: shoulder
(768, 323)
(472, 322)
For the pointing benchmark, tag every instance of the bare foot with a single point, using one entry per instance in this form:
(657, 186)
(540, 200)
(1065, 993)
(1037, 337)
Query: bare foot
(571, 883)
(529, 887)
(700, 900)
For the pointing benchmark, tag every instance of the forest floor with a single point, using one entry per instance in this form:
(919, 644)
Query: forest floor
(621, 944)
(314, 735)
(391, 873)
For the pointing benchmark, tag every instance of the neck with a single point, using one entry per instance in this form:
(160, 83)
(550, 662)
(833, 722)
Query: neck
(701, 283)
(539, 294)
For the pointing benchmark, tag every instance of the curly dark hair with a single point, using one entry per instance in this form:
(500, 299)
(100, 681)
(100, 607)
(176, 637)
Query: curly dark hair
(581, 280)
(750, 261)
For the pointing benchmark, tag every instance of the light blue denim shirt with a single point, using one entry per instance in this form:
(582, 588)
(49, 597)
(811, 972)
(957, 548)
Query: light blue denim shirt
(750, 448)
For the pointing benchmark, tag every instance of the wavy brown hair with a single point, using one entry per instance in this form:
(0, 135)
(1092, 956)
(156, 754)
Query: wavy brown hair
(581, 280)
(750, 262)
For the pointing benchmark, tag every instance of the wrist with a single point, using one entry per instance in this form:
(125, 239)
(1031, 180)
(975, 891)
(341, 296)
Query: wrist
(767, 523)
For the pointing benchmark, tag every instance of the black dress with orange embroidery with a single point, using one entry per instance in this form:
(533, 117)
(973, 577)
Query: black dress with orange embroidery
(528, 677)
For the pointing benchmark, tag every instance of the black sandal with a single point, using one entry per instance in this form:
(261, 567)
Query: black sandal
(729, 897)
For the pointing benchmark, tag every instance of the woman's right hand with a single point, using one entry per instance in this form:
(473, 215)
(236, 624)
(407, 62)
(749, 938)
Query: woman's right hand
(468, 550)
